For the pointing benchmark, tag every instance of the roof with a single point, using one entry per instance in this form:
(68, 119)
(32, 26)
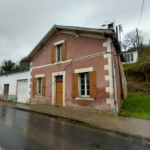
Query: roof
(75, 30)
(12, 72)
(130, 50)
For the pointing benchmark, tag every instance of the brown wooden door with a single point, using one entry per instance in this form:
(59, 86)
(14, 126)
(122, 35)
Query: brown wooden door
(59, 93)
(6, 91)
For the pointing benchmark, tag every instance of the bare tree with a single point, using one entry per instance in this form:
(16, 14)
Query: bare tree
(131, 40)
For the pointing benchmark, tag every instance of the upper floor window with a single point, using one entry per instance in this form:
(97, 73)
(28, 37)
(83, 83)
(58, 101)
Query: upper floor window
(129, 57)
(59, 53)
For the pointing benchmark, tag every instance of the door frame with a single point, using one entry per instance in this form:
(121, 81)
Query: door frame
(18, 88)
(7, 91)
(54, 74)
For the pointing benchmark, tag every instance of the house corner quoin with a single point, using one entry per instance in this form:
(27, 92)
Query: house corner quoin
(110, 89)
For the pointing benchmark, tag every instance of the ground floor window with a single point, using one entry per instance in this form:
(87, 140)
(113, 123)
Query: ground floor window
(84, 84)
(39, 86)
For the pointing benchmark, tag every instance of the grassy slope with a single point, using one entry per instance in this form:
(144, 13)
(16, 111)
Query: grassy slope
(135, 85)
(136, 105)
(138, 102)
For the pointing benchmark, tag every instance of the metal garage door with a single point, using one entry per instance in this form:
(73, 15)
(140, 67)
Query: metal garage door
(22, 91)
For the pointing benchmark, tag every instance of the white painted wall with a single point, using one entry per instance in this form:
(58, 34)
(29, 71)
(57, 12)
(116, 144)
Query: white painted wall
(135, 56)
(12, 79)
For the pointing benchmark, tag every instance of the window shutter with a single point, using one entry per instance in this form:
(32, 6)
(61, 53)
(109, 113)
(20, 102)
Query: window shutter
(92, 78)
(43, 85)
(74, 85)
(53, 54)
(64, 51)
(34, 86)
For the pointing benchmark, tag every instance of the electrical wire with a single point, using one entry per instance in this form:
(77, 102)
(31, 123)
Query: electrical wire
(141, 13)
(34, 83)
(124, 35)
(54, 81)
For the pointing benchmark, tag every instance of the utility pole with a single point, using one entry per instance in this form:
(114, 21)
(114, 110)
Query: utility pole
(120, 29)
(138, 41)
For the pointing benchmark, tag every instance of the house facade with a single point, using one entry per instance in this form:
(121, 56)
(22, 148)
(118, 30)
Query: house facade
(131, 56)
(74, 67)
(15, 86)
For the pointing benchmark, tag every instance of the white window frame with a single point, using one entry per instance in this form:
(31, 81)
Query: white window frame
(131, 57)
(79, 86)
(37, 86)
(128, 57)
(83, 70)
(57, 53)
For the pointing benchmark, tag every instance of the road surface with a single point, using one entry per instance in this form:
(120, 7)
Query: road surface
(22, 130)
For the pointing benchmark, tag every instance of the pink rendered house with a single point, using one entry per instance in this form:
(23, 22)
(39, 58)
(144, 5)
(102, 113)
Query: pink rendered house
(78, 67)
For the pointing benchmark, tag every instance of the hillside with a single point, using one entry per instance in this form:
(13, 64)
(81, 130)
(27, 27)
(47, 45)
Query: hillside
(135, 83)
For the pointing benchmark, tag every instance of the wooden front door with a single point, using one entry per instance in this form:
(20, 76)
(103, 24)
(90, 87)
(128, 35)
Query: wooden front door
(6, 91)
(59, 90)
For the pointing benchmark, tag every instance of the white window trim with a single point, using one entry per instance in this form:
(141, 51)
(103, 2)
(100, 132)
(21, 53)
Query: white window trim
(132, 57)
(57, 55)
(40, 96)
(54, 74)
(59, 42)
(126, 57)
(82, 70)
(39, 75)
(79, 87)
(84, 98)
(37, 88)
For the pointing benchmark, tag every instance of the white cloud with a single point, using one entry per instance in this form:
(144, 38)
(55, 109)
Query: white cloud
(23, 23)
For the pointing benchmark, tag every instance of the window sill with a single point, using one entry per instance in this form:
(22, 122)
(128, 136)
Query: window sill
(38, 96)
(58, 62)
(84, 98)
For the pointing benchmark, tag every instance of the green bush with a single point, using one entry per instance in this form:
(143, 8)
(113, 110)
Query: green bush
(139, 69)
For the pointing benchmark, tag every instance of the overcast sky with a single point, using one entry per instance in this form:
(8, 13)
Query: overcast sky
(23, 23)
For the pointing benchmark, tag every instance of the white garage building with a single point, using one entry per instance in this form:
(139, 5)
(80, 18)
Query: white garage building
(15, 86)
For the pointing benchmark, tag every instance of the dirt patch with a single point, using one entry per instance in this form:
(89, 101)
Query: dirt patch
(135, 84)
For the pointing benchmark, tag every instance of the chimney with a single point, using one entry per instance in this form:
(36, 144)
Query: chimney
(104, 26)
(111, 26)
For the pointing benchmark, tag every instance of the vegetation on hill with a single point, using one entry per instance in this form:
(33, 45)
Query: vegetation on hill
(9, 65)
(142, 67)
(137, 104)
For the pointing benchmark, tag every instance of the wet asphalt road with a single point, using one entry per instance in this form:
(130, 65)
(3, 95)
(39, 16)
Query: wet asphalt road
(21, 130)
